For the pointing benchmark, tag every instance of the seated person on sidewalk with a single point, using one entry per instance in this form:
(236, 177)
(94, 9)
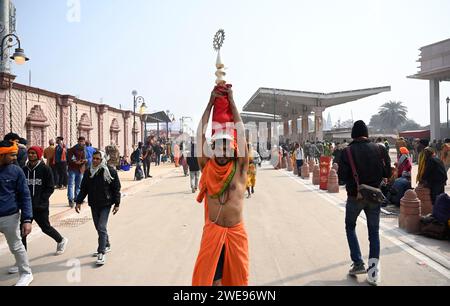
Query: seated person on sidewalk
(387, 184)
(441, 210)
(398, 190)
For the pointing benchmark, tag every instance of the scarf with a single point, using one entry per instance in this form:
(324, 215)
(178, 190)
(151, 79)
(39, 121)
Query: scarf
(402, 159)
(215, 179)
(422, 161)
(106, 174)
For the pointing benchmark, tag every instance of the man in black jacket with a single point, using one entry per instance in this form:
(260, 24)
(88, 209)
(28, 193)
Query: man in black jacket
(40, 182)
(146, 153)
(102, 186)
(194, 169)
(373, 164)
(158, 151)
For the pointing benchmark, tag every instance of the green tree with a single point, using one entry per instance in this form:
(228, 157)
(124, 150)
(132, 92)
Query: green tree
(393, 115)
(376, 123)
(410, 125)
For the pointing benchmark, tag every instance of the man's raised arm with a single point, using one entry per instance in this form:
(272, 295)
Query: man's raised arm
(241, 140)
(201, 148)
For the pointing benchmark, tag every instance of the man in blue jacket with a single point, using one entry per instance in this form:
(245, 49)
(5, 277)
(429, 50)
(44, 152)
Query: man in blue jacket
(15, 204)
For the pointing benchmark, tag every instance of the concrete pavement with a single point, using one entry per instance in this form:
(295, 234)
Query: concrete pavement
(296, 235)
(59, 206)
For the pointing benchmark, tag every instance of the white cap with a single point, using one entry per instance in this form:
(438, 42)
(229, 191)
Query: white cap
(222, 135)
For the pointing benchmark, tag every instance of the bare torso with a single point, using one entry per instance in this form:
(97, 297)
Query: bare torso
(231, 213)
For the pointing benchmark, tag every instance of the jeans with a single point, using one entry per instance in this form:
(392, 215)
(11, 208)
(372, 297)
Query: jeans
(372, 211)
(9, 226)
(146, 162)
(194, 179)
(100, 217)
(61, 170)
(55, 174)
(75, 177)
(138, 173)
(42, 219)
(158, 159)
(299, 166)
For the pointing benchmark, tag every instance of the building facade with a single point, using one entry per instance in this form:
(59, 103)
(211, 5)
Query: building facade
(435, 67)
(39, 115)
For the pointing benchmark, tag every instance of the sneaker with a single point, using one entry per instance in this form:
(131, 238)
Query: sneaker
(71, 204)
(101, 259)
(107, 250)
(193, 190)
(357, 269)
(61, 247)
(253, 190)
(24, 280)
(13, 270)
(373, 272)
(373, 281)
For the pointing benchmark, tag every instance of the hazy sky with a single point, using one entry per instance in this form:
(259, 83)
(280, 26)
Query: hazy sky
(164, 49)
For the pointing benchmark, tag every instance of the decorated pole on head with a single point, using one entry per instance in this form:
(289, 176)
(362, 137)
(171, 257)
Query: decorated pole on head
(222, 113)
(219, 39)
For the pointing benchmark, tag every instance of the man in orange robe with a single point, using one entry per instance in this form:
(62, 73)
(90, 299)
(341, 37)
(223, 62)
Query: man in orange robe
(223, 256)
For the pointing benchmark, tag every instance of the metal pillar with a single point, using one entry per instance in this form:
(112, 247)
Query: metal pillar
(435, 116)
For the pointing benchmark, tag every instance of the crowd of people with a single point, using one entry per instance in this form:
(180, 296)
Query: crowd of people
(154, 150)
(372, 181)
(29, 177)
(433, 160)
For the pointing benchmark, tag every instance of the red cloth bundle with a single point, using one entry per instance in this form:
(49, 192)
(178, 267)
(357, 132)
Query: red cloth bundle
(222, 111)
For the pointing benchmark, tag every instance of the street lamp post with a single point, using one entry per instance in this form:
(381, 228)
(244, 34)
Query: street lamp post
(182, 123)
(448, 101)
(145, 126)
(19, 57)
(136, 99)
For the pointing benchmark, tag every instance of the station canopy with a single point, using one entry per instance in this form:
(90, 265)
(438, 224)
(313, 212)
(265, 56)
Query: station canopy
(284, 102)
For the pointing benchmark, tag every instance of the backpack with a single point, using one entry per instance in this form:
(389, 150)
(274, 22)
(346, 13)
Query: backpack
(366, 192)
(135, 156)
(432, 228)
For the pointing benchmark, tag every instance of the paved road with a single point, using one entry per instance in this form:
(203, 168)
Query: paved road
(297, 237)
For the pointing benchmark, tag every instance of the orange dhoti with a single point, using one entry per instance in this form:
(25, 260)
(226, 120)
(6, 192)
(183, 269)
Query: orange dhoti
(215, 179)
(235, 267)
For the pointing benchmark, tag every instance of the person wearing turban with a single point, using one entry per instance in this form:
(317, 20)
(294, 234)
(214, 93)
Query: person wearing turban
(15, 209)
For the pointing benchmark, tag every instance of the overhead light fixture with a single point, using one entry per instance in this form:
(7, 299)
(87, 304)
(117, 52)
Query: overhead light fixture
(19, 57)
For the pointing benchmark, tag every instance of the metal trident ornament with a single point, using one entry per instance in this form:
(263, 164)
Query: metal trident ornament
(219, 38)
